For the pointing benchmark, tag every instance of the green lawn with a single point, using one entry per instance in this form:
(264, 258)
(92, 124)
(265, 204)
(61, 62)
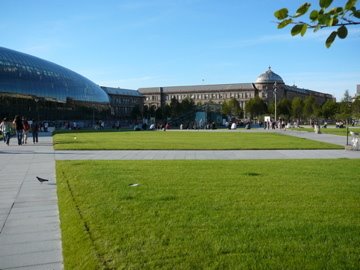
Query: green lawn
(334, 131)
(273, 214)
(148, 140)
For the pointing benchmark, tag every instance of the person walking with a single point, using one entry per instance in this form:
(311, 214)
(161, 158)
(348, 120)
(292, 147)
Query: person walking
(35, 131)
(2, 129)
(5, 127)
(26, 130)
(19, 128)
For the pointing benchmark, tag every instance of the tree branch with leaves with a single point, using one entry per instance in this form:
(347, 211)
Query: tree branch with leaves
(324, 17)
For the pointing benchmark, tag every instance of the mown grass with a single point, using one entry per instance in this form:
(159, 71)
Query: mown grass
(334, 131)
(293, 214)
(159, 140)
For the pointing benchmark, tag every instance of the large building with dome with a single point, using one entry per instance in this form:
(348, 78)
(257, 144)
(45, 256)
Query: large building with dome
(39, 89)
(266, 86)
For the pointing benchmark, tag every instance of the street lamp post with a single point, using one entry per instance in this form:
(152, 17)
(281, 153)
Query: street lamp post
(275, 91)
(348, 119)
(244, 105)
(347, 131)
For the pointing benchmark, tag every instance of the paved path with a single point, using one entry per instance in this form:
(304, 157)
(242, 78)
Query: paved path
(205, 154)
(227, 154)
(29, 217)
(329, 138)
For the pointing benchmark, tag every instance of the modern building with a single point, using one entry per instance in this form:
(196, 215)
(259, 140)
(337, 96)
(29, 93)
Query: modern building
(39, 89)
(123, 101)
(266, 86)
(357, 90)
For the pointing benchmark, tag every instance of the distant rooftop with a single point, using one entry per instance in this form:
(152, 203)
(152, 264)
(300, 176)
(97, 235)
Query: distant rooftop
(121, 91)
(197, 88)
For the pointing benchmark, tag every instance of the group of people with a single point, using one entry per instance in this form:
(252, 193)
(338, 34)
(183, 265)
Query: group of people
(22, 127)
(280, 124)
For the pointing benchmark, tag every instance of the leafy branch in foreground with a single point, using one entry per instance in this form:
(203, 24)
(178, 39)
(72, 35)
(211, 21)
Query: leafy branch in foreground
(324, 17)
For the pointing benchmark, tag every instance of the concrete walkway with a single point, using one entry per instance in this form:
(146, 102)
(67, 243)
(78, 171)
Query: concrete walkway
(219, 154)
(29, 218)
(205, 154)
(328, 138)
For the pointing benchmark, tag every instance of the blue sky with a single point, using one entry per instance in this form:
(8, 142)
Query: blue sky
(143, 43)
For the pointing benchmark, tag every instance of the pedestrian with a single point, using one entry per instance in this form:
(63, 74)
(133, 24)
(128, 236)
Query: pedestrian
(26, 130)
(19, 128)
(5, 127)
(35, 131)
(46, 125)
(2, 129)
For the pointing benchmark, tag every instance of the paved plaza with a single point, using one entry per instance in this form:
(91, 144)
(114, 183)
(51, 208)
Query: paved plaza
(29, 218)
(30, 235)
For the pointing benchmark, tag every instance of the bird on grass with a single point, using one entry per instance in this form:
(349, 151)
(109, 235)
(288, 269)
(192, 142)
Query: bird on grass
(41, 180)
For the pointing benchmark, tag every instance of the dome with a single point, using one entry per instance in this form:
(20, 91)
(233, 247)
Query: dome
(269, 77)
(23, 74)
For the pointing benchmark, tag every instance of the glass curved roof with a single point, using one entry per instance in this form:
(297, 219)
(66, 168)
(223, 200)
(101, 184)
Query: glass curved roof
(21, 73)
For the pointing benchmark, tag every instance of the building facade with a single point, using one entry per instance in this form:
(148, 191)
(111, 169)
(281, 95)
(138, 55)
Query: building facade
(266, 86)
(39, 89)
(123, 101)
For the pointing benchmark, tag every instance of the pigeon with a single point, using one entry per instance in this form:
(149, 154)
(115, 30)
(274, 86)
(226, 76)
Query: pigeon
(41, 180)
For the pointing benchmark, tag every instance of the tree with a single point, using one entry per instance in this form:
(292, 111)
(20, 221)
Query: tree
(159, 114)
(356, 108)
(225, 108)
(329, 109)
(309, 107)
(175, 107)
(187, 105)
(152, 111)
(235, 109)
(346, 97)
(324, 17)
(256, 106)
(345, 107)
(166, 111)
(146, 111)
(135, 112)
(345, 104)
(297, 106)
(231, 108)
(271, 108)
(284, 108)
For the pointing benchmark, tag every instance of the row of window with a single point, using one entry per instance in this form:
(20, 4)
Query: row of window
(27, 72)
(124, 100)
(123, 110)
(243, 95)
